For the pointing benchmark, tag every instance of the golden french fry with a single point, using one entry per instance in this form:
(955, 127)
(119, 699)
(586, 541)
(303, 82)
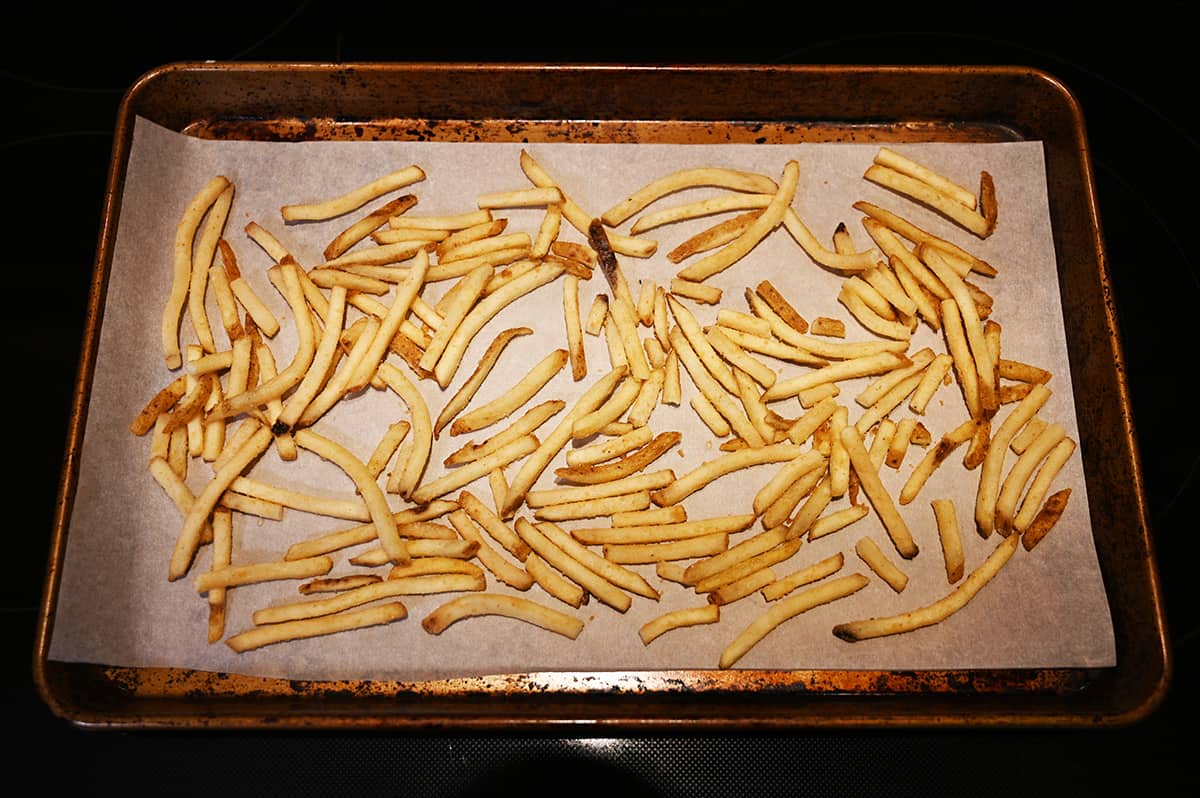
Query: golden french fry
(771, 217)
(575, 570)
(870, 553)
(935, 457)
(663, 533)
(516, 607)
(678, 619)
(939, 610)
(1054, 461)
(368, 488)
(877, 494)
(514, 397)
(931, 197)
(353, 199)
(315, 627)
(991, 469)
(745, 182)
(721, 466)
(785, 610)
(804, 576)
(553, 443)
(625, 466)
(600, 490)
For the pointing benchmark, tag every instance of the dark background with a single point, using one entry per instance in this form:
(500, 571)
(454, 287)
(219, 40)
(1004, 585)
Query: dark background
(62, 75)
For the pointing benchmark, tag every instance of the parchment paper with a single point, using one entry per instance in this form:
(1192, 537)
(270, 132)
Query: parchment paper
(1047, 608)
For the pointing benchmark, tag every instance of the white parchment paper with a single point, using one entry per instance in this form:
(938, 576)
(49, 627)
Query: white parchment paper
(1047, 607)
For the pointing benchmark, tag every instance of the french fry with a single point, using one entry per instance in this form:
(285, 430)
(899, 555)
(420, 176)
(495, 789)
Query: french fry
(712, 390)
(905, 165)
(745, 182)
(938, 611)
(1021, 471)
(368, 224)
(554, 583)
(256, 573)
(575, 570)
(691, 289)
(623, 578)
(877, 494)
(368, 488)
(609, 449)
(504, 570)
(579, 218)
(771, 217)
(1053, 462)
(414, 454)
(527, 424)
(365, 533)
(715, 468)
(946, 518)
(710, 238)
(838, 261)
(804, 576)
(333, 584)
(662, 533)
(483, 312)
(315, 627)
(678, 619)
(521, 198)
(514, 397)
(353, 199)
(196, 519)
(591, 508)
(991, 469)
(869, 552)
(785, 610)
(682, 549)
(537, 462)
(515, 607)
(674, 514)
(1045, 518)
(465, 474)
(837, 521)
(574, 327)
(625, 466)
(467, 391)
(931, 197)
(615, 406)
(185, 232)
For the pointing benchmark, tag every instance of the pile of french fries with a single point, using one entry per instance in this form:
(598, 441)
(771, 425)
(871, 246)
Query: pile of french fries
(615, 526)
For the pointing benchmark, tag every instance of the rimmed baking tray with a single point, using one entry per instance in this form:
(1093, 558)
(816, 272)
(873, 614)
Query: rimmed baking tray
(677, 104)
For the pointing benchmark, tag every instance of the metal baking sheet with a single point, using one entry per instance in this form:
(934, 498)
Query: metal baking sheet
(1048, 691)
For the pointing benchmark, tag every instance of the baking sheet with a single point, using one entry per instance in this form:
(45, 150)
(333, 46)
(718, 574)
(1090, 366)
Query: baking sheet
(115, 606)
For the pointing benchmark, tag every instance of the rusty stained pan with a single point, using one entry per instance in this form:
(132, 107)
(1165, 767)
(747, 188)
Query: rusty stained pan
(678, 104)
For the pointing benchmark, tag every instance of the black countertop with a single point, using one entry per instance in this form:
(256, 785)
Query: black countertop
(62, 78)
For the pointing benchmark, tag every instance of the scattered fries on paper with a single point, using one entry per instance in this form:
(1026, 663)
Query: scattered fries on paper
(398, 298)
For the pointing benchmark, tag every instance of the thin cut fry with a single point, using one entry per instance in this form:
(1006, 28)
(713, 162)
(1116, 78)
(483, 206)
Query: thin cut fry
(870, 553)
(939, 610)
(516, 607)
(787, 609)
(948, 533)
(804, 576)
(678, 619)
(185, 232)
(368, 488)
(881, 500)
(315, 627)
(353, 199)
(746, 182)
